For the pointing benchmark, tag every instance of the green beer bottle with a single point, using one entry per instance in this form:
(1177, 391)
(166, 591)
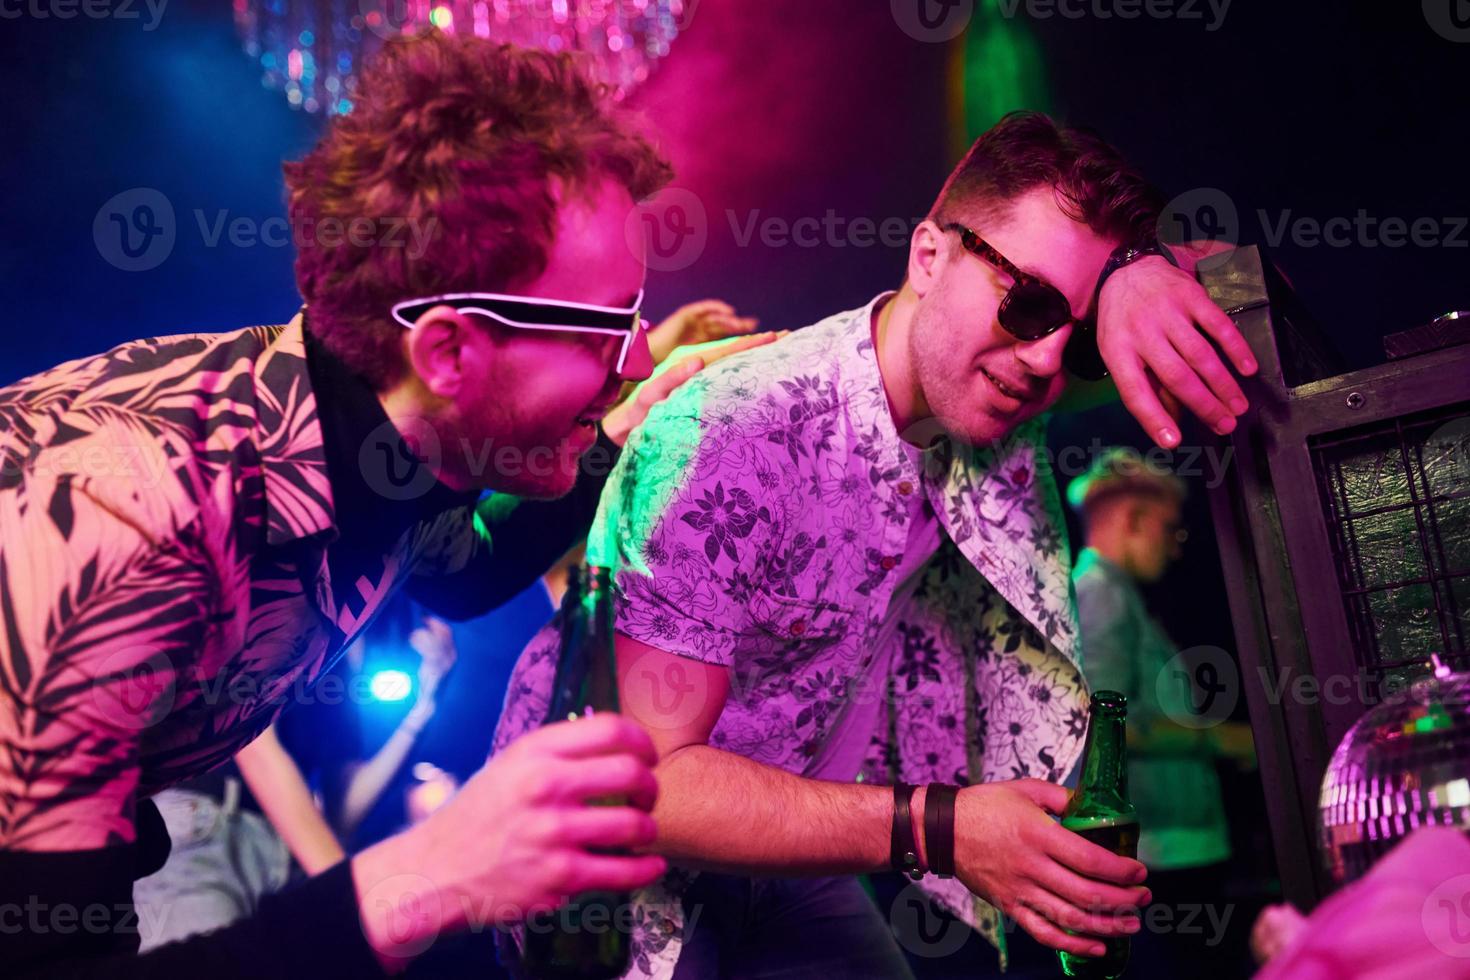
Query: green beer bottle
(587, 939)
(1100, 811)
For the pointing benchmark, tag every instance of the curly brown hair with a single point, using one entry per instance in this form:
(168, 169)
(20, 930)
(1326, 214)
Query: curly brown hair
(1094, 184)
(443, 178)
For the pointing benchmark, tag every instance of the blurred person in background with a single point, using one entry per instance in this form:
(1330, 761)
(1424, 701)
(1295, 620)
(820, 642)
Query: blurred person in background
(1132, 512)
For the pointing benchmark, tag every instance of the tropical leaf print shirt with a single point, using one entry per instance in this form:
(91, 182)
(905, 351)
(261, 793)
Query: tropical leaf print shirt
(182, 553)
(758, 520)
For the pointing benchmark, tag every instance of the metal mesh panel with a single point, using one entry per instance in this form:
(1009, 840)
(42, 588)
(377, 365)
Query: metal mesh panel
(1396, 496)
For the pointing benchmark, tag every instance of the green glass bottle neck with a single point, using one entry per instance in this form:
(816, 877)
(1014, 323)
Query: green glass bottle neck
(602, 686)
(1104, 766)
(586, 674)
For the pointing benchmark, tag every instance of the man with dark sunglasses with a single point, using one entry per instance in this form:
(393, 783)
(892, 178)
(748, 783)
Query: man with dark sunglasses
(193, 528)
(844, 574)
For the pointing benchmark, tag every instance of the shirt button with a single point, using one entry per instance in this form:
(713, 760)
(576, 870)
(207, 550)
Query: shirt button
(798, 627)
(888, 562)
(905, 488)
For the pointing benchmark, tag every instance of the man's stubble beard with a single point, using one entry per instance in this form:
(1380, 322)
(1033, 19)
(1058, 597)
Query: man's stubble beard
(944, 394)
(489, 450)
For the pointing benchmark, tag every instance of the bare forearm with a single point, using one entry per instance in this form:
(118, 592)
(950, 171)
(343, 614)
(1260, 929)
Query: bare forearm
(283, 794)
(367, 782)
(722, 812)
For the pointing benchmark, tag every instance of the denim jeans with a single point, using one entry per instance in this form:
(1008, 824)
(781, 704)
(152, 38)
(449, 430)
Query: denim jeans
(766, 928)
(224, 860)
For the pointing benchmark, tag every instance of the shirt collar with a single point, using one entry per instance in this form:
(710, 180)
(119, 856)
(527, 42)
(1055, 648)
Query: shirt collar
(319, 429)
(379, 487)
(998, 504)
(293, 462)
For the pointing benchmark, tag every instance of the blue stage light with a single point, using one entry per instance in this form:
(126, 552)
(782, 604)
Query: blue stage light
(391, 685)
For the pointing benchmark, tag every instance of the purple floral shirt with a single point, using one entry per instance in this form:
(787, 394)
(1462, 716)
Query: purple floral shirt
(756, 520)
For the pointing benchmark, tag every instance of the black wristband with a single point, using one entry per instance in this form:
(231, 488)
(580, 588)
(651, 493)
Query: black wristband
(903, 853)
(939, 828)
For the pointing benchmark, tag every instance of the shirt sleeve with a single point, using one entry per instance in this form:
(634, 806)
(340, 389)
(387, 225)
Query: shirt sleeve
(514, 541)
(688, 521)
(78, 924)
(1110, 636)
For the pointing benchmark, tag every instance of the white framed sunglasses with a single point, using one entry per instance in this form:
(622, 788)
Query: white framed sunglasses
(634, 363)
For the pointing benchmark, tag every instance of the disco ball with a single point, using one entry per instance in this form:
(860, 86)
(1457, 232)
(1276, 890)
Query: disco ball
(1404, 765)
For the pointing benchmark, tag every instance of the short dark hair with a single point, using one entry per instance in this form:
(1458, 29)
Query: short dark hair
(1094, 184)
(466, 139)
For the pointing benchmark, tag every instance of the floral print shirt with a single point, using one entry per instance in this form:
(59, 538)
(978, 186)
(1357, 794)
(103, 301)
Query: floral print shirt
(756, 520)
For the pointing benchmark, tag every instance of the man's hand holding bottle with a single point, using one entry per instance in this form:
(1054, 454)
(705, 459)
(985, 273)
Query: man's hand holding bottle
(1011, 852)
(519, 837)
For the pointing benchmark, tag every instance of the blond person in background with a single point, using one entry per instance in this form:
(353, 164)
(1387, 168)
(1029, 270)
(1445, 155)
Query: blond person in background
(1133, 517)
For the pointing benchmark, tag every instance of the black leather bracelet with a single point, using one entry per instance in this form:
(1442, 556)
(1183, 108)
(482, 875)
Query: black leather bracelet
(903, 853)
(939, 828)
